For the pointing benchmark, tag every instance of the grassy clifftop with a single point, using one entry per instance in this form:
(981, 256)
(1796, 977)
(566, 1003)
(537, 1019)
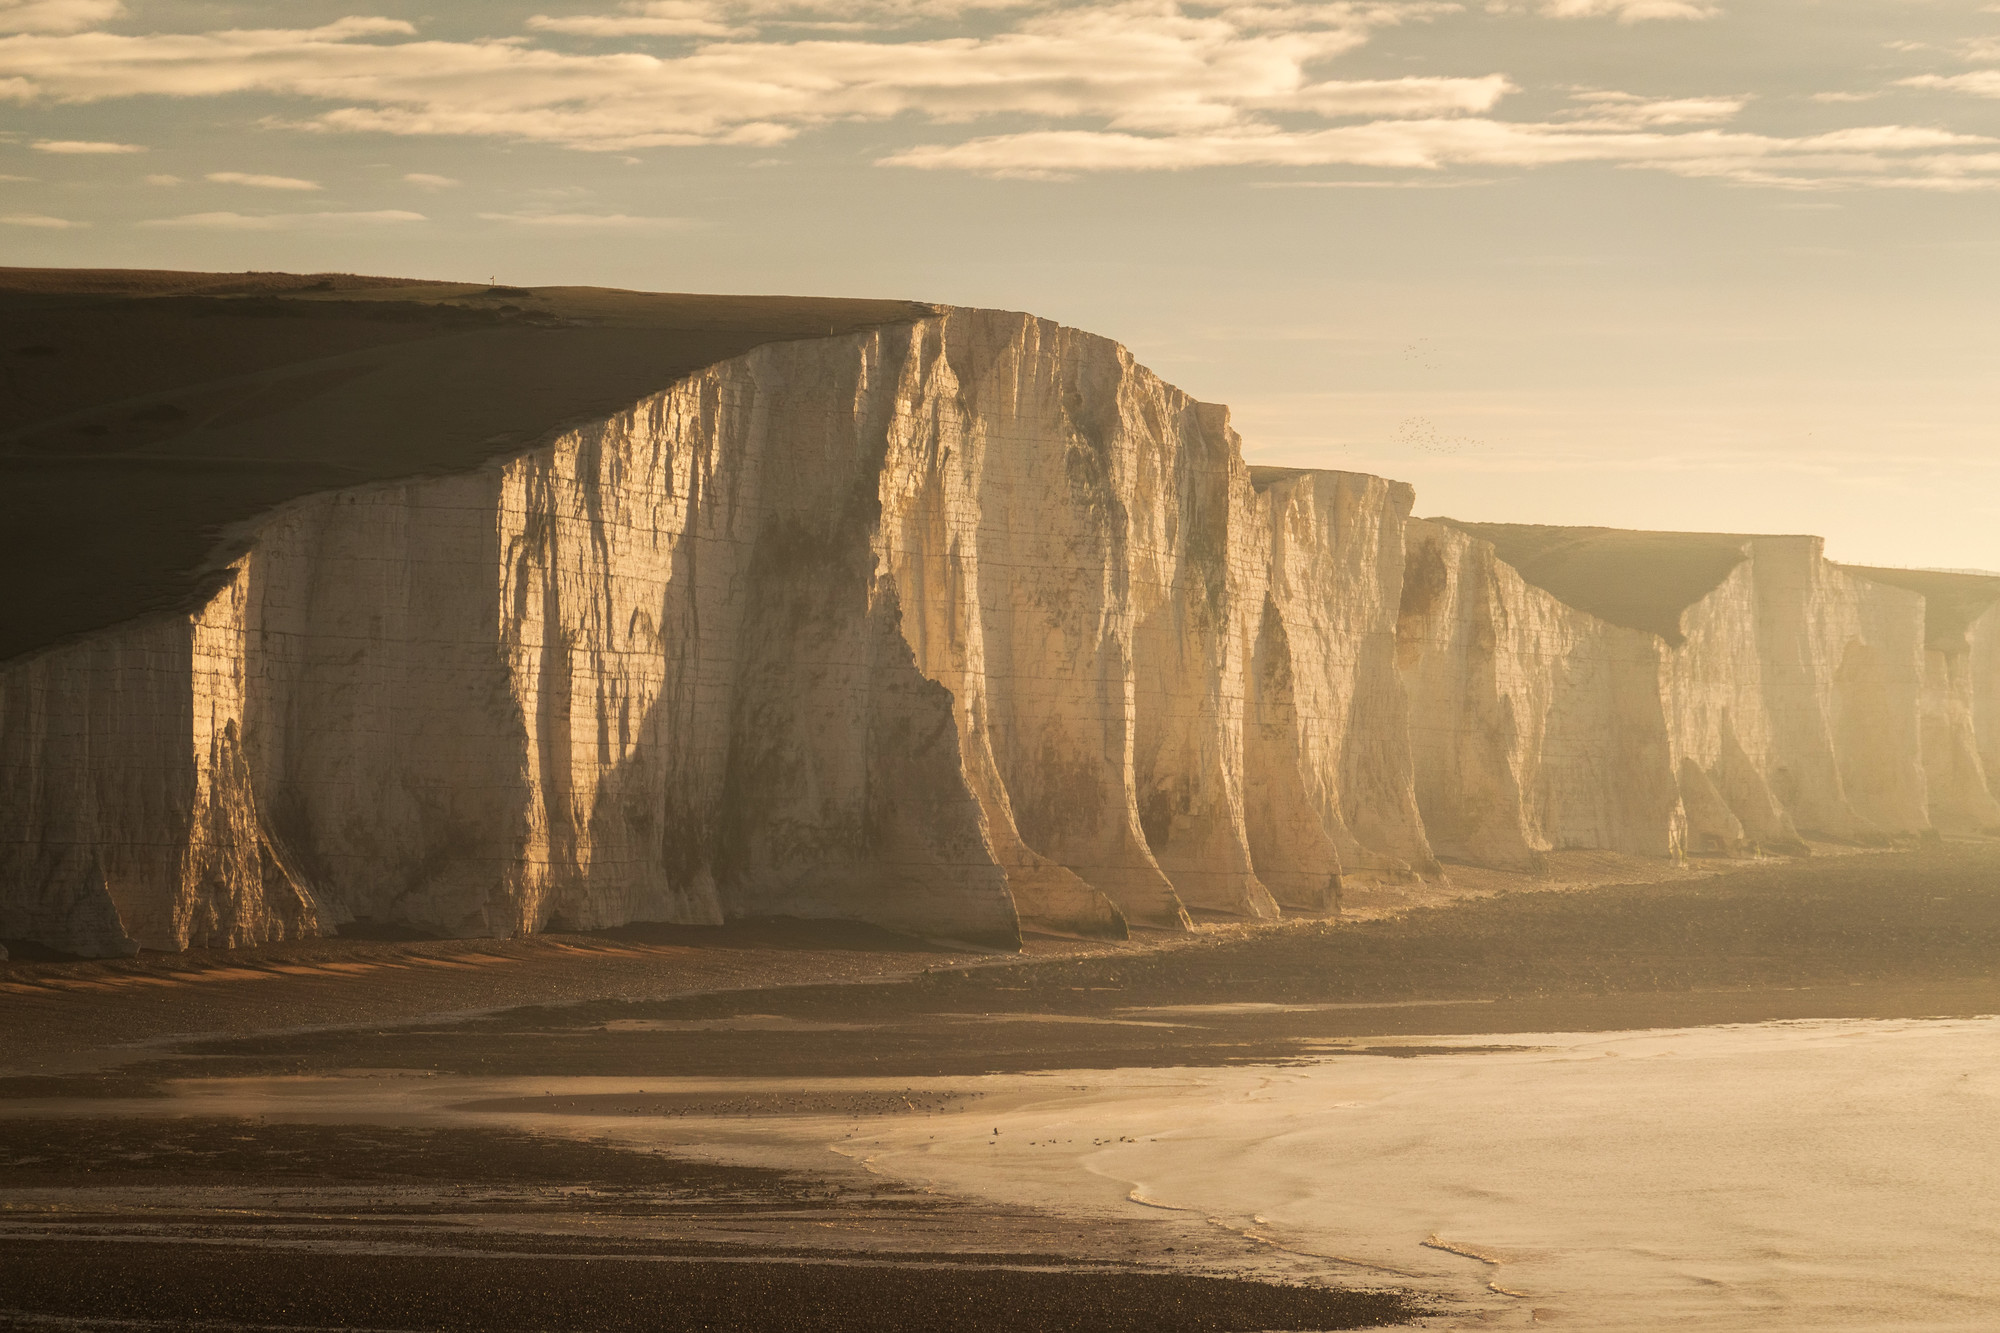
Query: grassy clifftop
(143, 414)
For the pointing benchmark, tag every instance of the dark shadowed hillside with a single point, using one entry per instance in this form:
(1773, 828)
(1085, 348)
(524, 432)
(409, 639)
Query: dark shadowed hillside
(1641, 580)
(1952, 599)
(144, 413)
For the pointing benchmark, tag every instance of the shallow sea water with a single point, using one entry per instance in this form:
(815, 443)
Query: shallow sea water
(1821, 1175)
(1827, 1175)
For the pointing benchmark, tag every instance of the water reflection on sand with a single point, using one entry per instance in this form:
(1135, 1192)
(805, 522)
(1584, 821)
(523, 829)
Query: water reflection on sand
(1837, 1174)
(1822, 1175)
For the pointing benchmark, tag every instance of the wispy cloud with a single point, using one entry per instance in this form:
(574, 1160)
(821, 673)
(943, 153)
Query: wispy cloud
(85, 146)
(41, 220)
(717, 18)
(56, 15)
(282, 221)
(661, 18)
(1975, 83)
(1396, 183)
(1138, 65)
(587, 221)
(1132, 85)
(1911, 157)
(429, 181)
(262, 182)
(1625, 11)
(1626, 111)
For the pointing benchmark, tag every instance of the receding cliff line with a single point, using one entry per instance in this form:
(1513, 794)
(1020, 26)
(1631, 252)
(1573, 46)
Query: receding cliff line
(1756, 695)
(951, 622)
(939, 625)
(1960, 705)
(1535, 725)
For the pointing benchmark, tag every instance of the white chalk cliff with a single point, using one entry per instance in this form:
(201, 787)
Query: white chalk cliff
(946, 625)
(1794, 699)
(1534, 725)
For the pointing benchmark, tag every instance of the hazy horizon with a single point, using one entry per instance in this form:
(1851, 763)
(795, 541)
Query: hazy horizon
(1636, 263)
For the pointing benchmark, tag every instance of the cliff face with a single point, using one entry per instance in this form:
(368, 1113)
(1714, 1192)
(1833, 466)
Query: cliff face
(126, 808)
(1958, 692)
(938, 625)
(1535, 725)
(1791, 697)
(947, 624)
(1959, 755)
(1797, 702)
(1332, 779)
(1983, 687)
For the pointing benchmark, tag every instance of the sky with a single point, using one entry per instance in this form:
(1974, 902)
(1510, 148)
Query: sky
(1720, 265)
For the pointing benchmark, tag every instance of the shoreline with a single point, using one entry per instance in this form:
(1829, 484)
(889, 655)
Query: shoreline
(716, 1107)
(67, 1016)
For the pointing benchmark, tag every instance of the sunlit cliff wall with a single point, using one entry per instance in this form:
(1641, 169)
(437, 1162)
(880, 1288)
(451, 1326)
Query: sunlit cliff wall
(948, 625)
(1792, 702)
(1797, 704)
(1535, 726)
(1961, 694)
(1983, 692)
(939, 626)
(1331, 774)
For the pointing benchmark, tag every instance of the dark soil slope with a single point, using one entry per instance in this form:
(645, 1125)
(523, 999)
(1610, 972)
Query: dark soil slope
(1952, 599)
(1641, 580)
(144, 414)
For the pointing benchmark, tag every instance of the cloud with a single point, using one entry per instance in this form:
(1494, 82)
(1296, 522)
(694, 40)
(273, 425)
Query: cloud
(426, 179)
(1904, 156)
(1624, 111)
(282, 221)
(85, 146)
(1413, 96)
(587, 221)
(41, 220)
(723, 18)
(163, 179)
(262, 182)
(11, 179)
(661, 18)
(56, 15)
(1129, 85)
(1625, 11)
(1965, 48)
(1135, 65)
(1398, 183)
(1977, 83)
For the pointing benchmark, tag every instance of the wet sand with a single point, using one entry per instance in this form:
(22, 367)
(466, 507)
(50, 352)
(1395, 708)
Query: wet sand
(243, 1112)
(1826, 1175)
(147, 1285)
(178, 1221)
